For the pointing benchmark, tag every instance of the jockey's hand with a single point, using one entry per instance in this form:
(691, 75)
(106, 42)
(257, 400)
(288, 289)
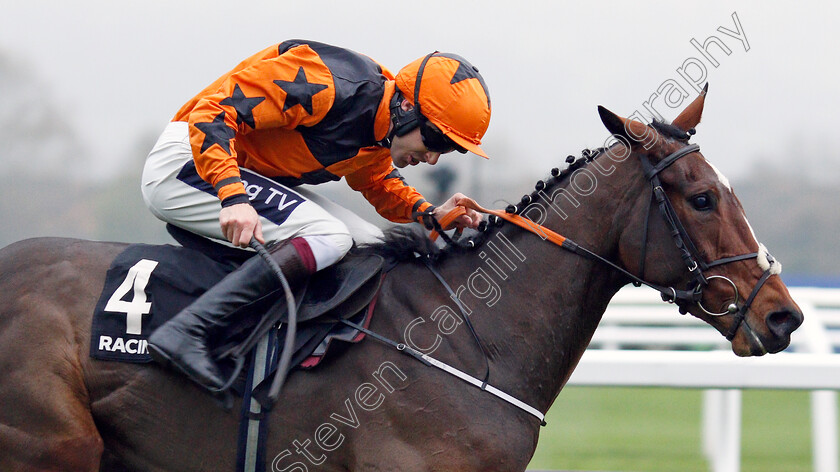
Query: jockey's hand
(470, 220)
(239, 223)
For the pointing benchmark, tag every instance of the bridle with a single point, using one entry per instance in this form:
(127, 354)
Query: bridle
(689, 253)
(683, 298)
(696, 267)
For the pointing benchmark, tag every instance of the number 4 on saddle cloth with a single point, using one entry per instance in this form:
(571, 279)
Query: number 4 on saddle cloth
(148, 284)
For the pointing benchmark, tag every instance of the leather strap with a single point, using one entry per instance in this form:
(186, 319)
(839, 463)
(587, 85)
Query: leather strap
(669, 294)
(523, 223)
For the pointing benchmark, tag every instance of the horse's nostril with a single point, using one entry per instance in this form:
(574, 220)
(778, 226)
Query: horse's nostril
(783, 322)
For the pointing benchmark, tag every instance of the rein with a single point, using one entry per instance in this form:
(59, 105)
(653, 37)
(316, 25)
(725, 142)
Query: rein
(669, 294)
(688, 251)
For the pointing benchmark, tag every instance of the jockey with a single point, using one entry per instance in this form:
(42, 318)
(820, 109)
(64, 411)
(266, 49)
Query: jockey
(300, 112)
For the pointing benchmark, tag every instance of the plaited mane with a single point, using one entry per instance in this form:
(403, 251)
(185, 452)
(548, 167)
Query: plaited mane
(402, 242)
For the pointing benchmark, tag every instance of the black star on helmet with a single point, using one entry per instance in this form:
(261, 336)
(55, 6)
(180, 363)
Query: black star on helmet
(216, 132)
(466, 71)
(243, 105)
(300, 91)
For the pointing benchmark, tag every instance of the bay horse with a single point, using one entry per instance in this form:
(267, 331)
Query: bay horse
(533, 306)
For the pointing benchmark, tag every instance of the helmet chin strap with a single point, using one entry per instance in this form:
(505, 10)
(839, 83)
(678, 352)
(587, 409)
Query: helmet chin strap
(402, 122)
(406, 121)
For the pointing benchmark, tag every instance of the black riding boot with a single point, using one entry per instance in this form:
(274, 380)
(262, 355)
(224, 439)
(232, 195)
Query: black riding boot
(182, 341)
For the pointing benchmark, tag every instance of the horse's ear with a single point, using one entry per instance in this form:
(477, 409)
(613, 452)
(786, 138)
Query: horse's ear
(611, 121)
(630, 129)
(690, 117)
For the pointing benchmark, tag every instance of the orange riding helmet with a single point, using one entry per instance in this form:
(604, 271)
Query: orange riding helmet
(448, 91)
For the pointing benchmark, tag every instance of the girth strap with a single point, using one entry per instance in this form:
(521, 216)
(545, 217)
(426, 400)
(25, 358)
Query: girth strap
(430, 361)
(464, 316)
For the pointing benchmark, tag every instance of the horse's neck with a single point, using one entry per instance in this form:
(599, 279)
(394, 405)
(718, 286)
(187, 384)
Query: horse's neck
(550, 301)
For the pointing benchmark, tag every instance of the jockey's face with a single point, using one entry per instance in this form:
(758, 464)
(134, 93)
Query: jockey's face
(410, 150)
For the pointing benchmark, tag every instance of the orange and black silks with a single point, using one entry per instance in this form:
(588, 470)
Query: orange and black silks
(301, 112)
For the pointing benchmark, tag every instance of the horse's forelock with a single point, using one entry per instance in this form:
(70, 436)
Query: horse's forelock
(670, 131)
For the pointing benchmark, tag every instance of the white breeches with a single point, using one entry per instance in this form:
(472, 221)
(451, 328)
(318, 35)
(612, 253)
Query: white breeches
(175, 193)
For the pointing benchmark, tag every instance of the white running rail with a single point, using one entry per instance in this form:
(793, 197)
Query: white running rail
(643, 342)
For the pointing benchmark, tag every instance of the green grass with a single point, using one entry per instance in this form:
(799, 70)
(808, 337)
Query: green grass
(650, 430)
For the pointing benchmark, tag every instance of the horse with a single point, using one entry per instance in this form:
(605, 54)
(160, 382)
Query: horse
(648, 208)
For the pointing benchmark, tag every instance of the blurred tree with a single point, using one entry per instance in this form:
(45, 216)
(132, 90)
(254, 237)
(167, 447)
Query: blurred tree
(37, 136)
(43, 182)
(38, 153)
(121, 213)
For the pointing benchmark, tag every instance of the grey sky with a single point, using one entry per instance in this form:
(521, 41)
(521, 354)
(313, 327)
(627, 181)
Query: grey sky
(122, 68)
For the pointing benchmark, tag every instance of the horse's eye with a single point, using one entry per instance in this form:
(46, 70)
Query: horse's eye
(702, 202)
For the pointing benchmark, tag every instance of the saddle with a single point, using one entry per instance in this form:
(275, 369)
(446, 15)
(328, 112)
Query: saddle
(174, 276)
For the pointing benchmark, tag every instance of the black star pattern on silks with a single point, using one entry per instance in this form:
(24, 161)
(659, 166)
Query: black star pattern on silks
(216, 132)
(243, 105)
(300, 91)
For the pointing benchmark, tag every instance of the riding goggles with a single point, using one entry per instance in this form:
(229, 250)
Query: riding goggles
(436, 141)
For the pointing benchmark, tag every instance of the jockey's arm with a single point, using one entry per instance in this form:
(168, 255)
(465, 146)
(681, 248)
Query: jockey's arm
(383, 186)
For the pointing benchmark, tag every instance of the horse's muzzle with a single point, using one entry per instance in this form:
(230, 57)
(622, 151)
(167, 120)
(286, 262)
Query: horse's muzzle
(781, 324)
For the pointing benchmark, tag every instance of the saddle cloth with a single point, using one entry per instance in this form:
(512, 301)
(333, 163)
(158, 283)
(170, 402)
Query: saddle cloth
(146, 285)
